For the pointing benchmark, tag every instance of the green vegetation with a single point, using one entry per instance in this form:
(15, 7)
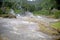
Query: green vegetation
(44, 7)
(1, 11)
(28, 7)
(18, 11)
(56, 26)
(46, 30)
(41, 12)
(56, 14)
(52, 14)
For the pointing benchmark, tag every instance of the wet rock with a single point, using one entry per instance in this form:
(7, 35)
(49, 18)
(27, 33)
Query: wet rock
(8, 16)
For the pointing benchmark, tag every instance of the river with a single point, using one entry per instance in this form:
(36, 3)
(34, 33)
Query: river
(21, 29)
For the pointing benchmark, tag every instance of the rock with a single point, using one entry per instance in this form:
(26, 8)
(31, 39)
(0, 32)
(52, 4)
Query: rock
(8, 16)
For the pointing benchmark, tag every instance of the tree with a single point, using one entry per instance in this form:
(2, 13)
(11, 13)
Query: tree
(47, 5)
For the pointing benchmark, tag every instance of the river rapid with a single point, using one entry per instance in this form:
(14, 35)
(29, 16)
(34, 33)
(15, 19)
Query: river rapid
(21, 28)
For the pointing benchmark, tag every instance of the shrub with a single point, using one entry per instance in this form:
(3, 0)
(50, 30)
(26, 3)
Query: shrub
(41, 12)
(56, 14)
(1, 11)
(17, 11)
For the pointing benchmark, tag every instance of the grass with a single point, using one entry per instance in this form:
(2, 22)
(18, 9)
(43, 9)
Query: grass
(56, 26)
(36, 13)
(41, 12)
(46, 30)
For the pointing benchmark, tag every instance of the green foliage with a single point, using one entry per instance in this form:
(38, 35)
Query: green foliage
(44, 12)
(47, 4)
(17, 11)
(57, 14)
(41, 12)
(1, 11)
(7, 10)
(28, 7)
(56, 25)
(37, 13)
